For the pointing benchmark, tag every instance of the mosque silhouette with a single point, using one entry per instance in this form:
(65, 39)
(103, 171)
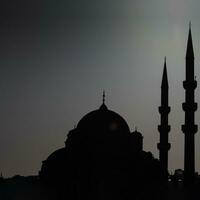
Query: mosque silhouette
(103, 160)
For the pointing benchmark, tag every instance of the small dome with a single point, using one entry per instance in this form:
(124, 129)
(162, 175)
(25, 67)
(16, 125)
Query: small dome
(54, 166)
(104, 121)
(57, 155)
(137, 134)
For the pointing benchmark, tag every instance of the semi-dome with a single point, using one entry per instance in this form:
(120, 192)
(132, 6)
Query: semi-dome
(103, 120)
(57, 155)
(53, 167)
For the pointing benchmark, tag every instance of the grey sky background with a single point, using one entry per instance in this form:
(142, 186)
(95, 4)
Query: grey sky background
(56, 57)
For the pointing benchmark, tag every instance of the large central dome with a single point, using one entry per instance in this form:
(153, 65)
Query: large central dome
(104, 121)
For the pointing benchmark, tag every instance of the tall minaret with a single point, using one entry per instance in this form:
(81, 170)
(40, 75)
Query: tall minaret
(189, 128)
(164, 128)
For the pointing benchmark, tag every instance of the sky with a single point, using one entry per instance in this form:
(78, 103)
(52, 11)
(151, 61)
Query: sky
(56, 58)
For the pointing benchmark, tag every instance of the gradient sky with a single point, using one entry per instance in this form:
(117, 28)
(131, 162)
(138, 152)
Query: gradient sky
(56, 57)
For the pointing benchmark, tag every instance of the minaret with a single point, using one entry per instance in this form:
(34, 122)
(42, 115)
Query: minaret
(189, 128)
(164, 128)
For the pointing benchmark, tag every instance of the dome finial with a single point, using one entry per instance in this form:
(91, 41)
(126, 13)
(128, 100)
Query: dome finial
(103, 106)
(104, 96)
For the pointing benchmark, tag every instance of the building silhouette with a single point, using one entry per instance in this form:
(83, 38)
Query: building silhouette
(103, 160)
(164, 127)
(190, 106)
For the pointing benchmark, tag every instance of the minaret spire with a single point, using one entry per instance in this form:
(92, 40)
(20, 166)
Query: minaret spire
(189, 107)
(189, 51)
(164, 78)
(164, 128)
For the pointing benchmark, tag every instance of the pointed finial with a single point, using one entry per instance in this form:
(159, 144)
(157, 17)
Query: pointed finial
(165, 63)
(164, 77)
(189, 50)
(103, 106)
(104, 96)
(136, 129)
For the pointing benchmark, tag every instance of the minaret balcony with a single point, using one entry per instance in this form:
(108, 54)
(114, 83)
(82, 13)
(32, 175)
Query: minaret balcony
(164, 128)
(189, 129)
(189, 106)
(189, 85)
(164, 109)
(165, 147)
